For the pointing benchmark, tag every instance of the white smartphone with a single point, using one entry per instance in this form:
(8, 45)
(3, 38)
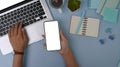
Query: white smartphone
(52, 35)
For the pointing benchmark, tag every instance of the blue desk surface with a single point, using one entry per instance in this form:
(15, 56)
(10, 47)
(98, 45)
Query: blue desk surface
(88, 51)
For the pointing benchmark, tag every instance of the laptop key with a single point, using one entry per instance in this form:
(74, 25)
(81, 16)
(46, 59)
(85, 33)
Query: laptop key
(37, 18)
(41, 17)
(45, 17)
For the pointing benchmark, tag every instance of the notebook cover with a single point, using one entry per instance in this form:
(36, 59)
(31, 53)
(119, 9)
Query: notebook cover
(74, 23)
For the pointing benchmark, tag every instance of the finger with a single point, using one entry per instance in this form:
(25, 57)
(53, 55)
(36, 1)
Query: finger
(60, 52)
(20, 29)
(12, 31)
(45, 44)
(16, 29)
(24, 34)
(43, 36)
(62, 35)
(9, 33)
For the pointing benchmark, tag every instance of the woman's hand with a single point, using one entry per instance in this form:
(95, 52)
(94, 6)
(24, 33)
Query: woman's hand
(64, 44)
(18, 37)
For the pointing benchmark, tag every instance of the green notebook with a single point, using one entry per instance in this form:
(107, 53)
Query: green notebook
(107, 3)
(118, 64)
(94, 4)
(110, 15)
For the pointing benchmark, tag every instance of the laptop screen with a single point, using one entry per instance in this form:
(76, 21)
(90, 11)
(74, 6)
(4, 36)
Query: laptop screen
(6, 5)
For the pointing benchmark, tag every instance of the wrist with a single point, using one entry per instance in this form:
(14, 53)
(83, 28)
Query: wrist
(18, 52)
(67, 53)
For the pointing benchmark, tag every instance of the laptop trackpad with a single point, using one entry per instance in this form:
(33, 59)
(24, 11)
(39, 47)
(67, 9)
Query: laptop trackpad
(35, 32)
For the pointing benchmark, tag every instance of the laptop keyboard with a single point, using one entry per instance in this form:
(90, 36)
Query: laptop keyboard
(27, 15)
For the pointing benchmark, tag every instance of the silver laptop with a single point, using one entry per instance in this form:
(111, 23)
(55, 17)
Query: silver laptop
(32, 13)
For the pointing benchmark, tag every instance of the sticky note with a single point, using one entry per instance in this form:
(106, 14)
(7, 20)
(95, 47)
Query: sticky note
(110, 15)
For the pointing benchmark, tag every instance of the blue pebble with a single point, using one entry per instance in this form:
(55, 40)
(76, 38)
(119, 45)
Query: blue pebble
(108, 30)
(111, 37)
(102, 41)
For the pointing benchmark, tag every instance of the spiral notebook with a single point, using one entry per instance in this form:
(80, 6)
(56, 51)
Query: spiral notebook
(88, 27)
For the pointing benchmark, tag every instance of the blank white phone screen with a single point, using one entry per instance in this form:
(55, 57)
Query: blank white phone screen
(52, 35)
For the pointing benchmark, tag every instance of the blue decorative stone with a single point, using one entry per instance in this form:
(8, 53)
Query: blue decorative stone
(102, 41)
(108, 30)
(111, 37)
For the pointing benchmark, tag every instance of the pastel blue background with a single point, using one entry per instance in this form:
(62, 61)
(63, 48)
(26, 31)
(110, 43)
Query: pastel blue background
(87, 50)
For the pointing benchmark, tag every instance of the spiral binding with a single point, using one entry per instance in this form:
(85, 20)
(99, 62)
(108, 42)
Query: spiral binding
(84, 28)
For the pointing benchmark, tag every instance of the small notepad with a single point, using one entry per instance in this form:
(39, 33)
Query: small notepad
(89, 26)
(110, 15)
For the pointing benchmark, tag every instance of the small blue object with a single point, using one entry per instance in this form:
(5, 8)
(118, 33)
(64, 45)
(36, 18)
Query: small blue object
(93, 4)
(111, 37)
(108, 30)
(102, 41)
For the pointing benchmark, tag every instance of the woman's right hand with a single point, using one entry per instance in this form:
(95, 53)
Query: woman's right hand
(64, 44)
